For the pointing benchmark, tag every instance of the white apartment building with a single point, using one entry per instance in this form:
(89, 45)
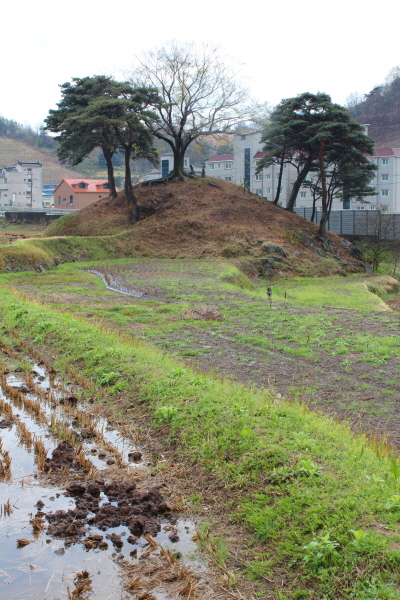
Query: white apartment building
(241, 167)
(386, 181)
(21, 185)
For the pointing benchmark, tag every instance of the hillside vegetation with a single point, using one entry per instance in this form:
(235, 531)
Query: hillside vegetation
(380, 109)
(12, 151)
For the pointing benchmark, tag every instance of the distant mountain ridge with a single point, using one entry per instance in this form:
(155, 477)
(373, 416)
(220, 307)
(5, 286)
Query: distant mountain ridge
(380, 108)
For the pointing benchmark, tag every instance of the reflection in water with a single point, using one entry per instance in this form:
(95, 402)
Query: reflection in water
(43, 567)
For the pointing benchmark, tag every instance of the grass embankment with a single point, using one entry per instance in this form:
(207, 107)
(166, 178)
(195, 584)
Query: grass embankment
(323, 502)
(36, 254)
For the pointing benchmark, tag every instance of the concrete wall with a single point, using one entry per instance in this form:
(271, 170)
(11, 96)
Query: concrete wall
(355, 222)
(38, 218)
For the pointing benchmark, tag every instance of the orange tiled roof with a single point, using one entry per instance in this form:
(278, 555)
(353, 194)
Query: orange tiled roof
(92, 185)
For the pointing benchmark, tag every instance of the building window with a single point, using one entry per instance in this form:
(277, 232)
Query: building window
(218, 165)
(360, 207)
(71, 200)
(385, 161)
(81, 185)
(268, 176)
(59, 199)
(28, 193)
(64, 199)
(259, 177)
(29, 180)
(384, 192)
(259, 192)
(303, 194)
(384, 208)
(211, 166)
(228, 178)
(385, 177)
(268, 190)
(277, 175)
(228, 165)
(29, 170)
(242, 137)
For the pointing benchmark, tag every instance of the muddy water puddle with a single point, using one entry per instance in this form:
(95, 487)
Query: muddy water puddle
(74, 519)
(117, 284)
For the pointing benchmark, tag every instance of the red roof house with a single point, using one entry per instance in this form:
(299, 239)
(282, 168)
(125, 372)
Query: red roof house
(78, 193)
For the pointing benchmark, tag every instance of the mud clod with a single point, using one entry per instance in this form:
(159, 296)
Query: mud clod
(104, 506)
(135, 456)
(62, 456)
(87, 434)
(76, 488)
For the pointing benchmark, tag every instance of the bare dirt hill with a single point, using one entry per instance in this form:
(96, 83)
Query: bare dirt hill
(204, 218)
(12, 151)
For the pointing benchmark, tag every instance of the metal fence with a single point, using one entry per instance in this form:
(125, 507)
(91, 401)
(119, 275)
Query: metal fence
(354, 222)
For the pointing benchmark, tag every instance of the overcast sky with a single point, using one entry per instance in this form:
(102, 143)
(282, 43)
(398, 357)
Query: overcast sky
(285, 48)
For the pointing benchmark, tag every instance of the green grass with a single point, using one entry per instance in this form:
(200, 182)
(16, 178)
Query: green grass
(298, 480)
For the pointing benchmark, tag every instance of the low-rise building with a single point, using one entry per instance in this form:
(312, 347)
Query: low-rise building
(78, 193)
(167, 166)
(48, 194)
(21, 185)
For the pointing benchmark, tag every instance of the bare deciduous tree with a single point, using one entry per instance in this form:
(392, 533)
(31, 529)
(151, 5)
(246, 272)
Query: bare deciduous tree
(380, 231)
(200, 95)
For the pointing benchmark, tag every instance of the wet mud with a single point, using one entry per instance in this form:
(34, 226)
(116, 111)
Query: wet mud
(78, 518)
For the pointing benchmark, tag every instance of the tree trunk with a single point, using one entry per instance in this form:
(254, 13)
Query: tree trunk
(178, 171)
(130, 196)
(314, 205)
(325, 213)
(278, 191)
(298, 183)
(110, 171)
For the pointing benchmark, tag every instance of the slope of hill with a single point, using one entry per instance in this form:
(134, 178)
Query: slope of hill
(13, 150)
(203, 218)
(380, 108)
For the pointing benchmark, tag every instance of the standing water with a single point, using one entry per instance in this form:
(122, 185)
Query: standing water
(74, 520)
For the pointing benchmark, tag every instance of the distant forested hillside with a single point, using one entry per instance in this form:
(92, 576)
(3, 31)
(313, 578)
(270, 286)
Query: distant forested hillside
(25, 133)
(380, 108)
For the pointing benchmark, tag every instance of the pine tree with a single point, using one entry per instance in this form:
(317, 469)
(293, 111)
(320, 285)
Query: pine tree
(314, 130)
(101, 112)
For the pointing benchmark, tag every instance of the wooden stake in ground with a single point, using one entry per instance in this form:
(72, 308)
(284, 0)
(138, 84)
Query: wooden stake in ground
(269, 294)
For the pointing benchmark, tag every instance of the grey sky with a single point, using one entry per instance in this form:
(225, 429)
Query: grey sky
(285, 47)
